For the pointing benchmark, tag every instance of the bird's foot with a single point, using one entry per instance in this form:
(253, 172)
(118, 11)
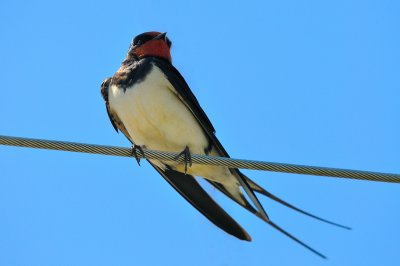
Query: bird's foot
(134, 150)
(187, 158)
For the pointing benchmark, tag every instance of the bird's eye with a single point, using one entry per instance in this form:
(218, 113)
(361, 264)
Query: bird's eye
(137, 42)
(141, 39)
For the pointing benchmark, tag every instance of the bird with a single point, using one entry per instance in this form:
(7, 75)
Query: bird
(149, 101)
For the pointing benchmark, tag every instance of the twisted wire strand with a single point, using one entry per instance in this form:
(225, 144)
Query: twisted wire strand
(200, 159)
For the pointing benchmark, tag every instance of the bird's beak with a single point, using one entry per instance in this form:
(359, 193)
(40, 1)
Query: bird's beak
(161, 36)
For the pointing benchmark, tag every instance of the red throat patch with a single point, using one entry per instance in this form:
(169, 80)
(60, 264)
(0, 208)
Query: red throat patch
(157, 48)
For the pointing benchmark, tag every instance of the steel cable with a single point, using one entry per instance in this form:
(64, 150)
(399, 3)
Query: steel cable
(200, 159)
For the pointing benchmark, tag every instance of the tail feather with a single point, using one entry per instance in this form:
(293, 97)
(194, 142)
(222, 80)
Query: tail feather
(261, 190)
(249, 191)
(296, 240)
(245, 204)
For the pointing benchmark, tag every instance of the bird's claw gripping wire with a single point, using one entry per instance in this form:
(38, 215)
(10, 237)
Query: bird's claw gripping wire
(187, 158)
(134, 150)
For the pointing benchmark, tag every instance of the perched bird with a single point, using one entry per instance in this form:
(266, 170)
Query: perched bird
(150, 102)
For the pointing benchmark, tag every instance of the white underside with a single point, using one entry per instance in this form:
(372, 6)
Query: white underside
(156, 118)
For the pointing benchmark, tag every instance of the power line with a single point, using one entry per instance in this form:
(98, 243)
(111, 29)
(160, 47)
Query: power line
(200, 159)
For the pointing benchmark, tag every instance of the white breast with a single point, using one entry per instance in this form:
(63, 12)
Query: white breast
(155, 117)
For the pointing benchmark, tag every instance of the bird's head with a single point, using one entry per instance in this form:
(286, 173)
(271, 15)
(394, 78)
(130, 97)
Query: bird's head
(151, 44)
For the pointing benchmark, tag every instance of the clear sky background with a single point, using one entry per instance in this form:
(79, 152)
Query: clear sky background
(313, 82)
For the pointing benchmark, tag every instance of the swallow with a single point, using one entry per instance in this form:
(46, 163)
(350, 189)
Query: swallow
(150, 102)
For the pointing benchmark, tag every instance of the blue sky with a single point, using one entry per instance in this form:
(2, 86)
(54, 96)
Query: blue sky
(314, 83)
